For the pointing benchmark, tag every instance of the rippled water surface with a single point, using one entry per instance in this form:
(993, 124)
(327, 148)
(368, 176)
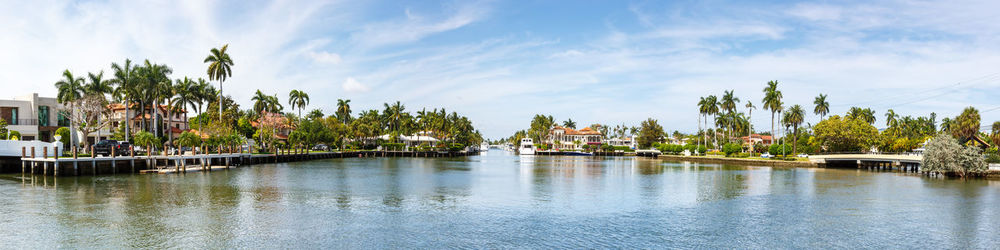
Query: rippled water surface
(500, 201)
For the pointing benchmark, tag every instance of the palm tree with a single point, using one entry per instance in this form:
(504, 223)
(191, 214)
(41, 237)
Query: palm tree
(298, 99)
(125, 90)
(822, 106)
(795, 117)
(344, 110)
(99, 87)
(772, 102)
(702, 111)
(569, 123)
(891, 118)
(946, 124)
(750, 107)
(966, 125)
(186, 93)
(202, 93)
(260, 102)
(219, 68)
(70, 90)
(713, 109)
(728, 104)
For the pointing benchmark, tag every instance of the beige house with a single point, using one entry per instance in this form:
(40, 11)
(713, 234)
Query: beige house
(177, 122)
(563, 138)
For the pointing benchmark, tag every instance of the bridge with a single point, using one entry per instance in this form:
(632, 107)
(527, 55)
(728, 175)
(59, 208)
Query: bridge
(905, 162)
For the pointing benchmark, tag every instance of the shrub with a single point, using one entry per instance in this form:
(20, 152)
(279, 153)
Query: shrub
(731, 148)
(64, 133)
(944, 155)
(776, 149)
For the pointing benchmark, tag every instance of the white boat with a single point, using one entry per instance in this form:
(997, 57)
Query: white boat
(527, 147)
(484, 147)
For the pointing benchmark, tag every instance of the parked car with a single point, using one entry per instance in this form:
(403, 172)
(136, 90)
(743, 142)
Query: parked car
(766, 155)
(803, 155)
(321, 147)
(104, 147)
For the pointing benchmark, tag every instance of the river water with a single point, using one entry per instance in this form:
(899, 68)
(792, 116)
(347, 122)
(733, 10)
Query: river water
(499, 200)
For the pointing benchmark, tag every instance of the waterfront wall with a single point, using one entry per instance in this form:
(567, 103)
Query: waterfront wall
(740, 161)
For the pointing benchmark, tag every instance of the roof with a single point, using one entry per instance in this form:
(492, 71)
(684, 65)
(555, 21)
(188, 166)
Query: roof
(757, 136)
(584, 131)
(411, 138)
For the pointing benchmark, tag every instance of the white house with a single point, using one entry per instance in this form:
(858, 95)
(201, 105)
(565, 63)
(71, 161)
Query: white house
(36, 118)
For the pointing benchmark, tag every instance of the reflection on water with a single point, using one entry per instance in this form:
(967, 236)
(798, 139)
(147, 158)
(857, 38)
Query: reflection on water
(500, 201)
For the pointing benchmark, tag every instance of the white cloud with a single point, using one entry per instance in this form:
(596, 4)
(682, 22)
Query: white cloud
(324, 57)
(353, 86)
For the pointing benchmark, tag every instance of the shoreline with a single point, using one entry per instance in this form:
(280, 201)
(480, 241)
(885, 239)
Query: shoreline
(756, 162)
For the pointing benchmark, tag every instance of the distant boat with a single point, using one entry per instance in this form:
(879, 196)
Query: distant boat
(484, 147)
(574, 153)
(527, 147)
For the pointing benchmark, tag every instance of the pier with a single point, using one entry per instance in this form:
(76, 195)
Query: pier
(54, 165)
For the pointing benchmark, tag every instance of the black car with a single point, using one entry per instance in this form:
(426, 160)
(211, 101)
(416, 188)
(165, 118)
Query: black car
(104, 147)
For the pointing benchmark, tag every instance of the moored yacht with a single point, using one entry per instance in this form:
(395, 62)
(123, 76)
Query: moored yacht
(527, 147)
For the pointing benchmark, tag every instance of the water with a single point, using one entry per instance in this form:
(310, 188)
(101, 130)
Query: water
(500, 201)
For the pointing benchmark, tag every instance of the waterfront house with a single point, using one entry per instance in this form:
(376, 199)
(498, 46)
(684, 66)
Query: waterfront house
(36, 118)
(562, 138)
(621, 142)
(177, 123)
(754, 139)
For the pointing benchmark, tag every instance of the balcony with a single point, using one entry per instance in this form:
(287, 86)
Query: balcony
(25, 122)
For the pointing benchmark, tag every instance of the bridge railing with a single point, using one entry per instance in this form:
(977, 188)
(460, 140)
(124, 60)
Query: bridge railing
(867, 153)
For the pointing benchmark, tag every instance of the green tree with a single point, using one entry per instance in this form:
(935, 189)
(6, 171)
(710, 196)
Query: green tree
(795, 115)
(650, 132)
(772, 101)
(298, 99)
(966, 125)
(712, 108)
(147, 140)
(822, 106)
(844, 134)
(188, 139)
(219, 68)
(70, 89)
(344, 111)
(569, 123)
(125, 89)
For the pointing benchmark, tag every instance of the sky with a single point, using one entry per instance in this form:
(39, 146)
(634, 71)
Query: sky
(502, 62)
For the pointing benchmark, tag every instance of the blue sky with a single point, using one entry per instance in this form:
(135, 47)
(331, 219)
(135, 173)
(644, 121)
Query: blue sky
(501, 62)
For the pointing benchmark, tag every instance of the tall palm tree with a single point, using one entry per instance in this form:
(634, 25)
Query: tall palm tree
(569, 123)
(946, 124)
(750, 107)
(70, 90)
(772, 102)
(822, 106)
(260, 102)
(344, 110)
(795, 117)
(203, 92)
(219, 68)
(703, 112)
(728, 104)
(298, 99)
(891, 118)
(125, 89)
(185, 94)
(97, 86)
(713, 109)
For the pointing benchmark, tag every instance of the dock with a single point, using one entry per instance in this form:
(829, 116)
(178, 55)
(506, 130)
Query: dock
(166, 164)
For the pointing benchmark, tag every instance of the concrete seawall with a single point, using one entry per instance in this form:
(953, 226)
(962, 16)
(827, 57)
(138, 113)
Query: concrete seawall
(741, 161)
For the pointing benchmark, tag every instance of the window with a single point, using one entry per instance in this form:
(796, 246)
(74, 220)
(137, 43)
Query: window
(43, 115)
(13, 116)
(62, 118)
